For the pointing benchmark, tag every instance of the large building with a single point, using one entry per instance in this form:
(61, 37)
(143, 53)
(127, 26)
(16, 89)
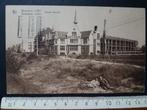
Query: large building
(29, 25)
(73, 42)
(114, 45)
(85, 42)
(64, 43)
(111, 45)
(50, 41)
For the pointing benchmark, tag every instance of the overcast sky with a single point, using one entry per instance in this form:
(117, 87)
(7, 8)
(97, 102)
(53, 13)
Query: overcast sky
(121, 22)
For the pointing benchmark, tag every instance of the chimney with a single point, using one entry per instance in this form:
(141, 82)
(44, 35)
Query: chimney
(95, 28)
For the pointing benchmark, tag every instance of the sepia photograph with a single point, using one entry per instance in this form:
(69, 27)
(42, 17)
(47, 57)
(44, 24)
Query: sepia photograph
(74, 49)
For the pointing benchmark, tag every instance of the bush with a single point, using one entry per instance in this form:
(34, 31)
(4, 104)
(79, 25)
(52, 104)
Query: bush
(31, 56)
(73, 55)
(13, 62)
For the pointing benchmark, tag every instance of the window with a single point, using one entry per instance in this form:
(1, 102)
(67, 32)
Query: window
(85, 49)
(30, 46)
(98, 35)
(62, 41)
(85, 41)
(62, 47)
(98, 51)
(55, 41)
(31, 31)
(74, 34)
(73, 47)
(73, 40)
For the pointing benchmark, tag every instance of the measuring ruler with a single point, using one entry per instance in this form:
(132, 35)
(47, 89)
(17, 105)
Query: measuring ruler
(74, 102)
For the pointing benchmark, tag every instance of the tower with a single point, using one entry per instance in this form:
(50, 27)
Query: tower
(75, 32)
(75, 18)
(29, 25)
(104, 31)
(74, 37)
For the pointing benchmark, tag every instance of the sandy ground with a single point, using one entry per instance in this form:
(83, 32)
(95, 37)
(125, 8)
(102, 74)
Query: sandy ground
(67, 75)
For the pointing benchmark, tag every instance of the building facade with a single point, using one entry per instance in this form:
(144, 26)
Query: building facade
(73, 42)
(85, 42)
(114, 45)
(49, 41)
(65, 43)
(29, 25)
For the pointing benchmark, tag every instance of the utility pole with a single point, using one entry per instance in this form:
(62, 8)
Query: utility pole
(37, 45)
(38, 28)
(104, 37)
(19, 32)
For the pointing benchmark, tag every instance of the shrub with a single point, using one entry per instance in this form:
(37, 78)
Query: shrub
(13, 62)
(31, 56)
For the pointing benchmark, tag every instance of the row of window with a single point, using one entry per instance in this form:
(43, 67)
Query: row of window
(30, 46)
(62, 41)
(71, 48)
(114, 42)
(119, 48)
(74, 41)
(62, 47)
(74, 34)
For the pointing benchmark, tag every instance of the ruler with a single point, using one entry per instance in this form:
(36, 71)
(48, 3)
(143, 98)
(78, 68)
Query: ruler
(74, 102)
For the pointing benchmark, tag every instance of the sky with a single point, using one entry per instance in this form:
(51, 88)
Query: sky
(121, 22)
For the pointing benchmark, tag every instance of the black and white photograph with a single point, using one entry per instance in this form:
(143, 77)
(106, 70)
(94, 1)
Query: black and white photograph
(74, 49)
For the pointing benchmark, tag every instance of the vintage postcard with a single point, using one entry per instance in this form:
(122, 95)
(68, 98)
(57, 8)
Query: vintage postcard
(74, 49)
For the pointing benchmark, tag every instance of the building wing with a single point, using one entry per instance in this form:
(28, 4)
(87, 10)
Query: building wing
(118, 38)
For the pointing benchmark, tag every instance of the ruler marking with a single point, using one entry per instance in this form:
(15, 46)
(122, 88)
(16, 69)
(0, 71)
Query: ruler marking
(75, 102)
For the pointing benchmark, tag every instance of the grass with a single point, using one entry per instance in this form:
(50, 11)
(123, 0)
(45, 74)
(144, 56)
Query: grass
(126, 59)
(89, 71)
(57, 70)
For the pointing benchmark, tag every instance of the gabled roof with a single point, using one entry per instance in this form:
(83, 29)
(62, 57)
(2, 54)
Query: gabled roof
(49, 30)
(61, 34)
(85, 34)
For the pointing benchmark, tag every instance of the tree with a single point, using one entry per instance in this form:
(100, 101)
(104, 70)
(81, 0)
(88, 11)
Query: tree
(13, 62)
(143, 48)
